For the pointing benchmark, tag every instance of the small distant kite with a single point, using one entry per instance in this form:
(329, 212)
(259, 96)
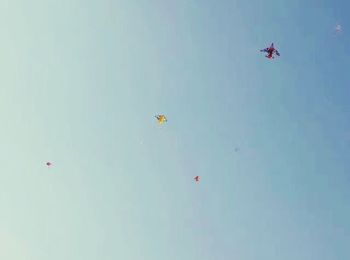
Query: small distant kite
(270, 52)
(338, 28)
(196, 178)
(161, 119)
(49, 164)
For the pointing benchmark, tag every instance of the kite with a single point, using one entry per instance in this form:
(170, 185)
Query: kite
(196, 178)
(338, 28)
(270, 52)
(161, 119)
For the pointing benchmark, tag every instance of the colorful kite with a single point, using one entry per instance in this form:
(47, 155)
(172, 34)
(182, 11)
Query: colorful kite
(270, 52)
(161, 119)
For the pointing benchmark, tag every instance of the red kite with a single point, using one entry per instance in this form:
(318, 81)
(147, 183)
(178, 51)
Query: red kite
(270, 52)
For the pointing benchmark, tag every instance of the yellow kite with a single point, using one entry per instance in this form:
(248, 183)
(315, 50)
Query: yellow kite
(161, 119)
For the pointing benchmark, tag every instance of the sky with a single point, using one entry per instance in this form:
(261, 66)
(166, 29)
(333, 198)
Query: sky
(81, 82)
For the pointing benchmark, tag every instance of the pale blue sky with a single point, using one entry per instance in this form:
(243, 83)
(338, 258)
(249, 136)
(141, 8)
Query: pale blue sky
(81, 82)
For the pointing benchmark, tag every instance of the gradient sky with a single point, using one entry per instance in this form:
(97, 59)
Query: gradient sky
(80, 84)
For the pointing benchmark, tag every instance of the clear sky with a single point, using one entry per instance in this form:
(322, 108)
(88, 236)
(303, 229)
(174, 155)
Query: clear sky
(80, 84)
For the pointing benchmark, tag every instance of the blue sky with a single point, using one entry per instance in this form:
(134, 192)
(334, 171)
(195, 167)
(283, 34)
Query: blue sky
(81, 82)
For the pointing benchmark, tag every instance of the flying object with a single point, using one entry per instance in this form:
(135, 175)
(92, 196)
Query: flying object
(48, 164)
(338, 28)
(270, 52)
(196, 178)
(161, 119)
